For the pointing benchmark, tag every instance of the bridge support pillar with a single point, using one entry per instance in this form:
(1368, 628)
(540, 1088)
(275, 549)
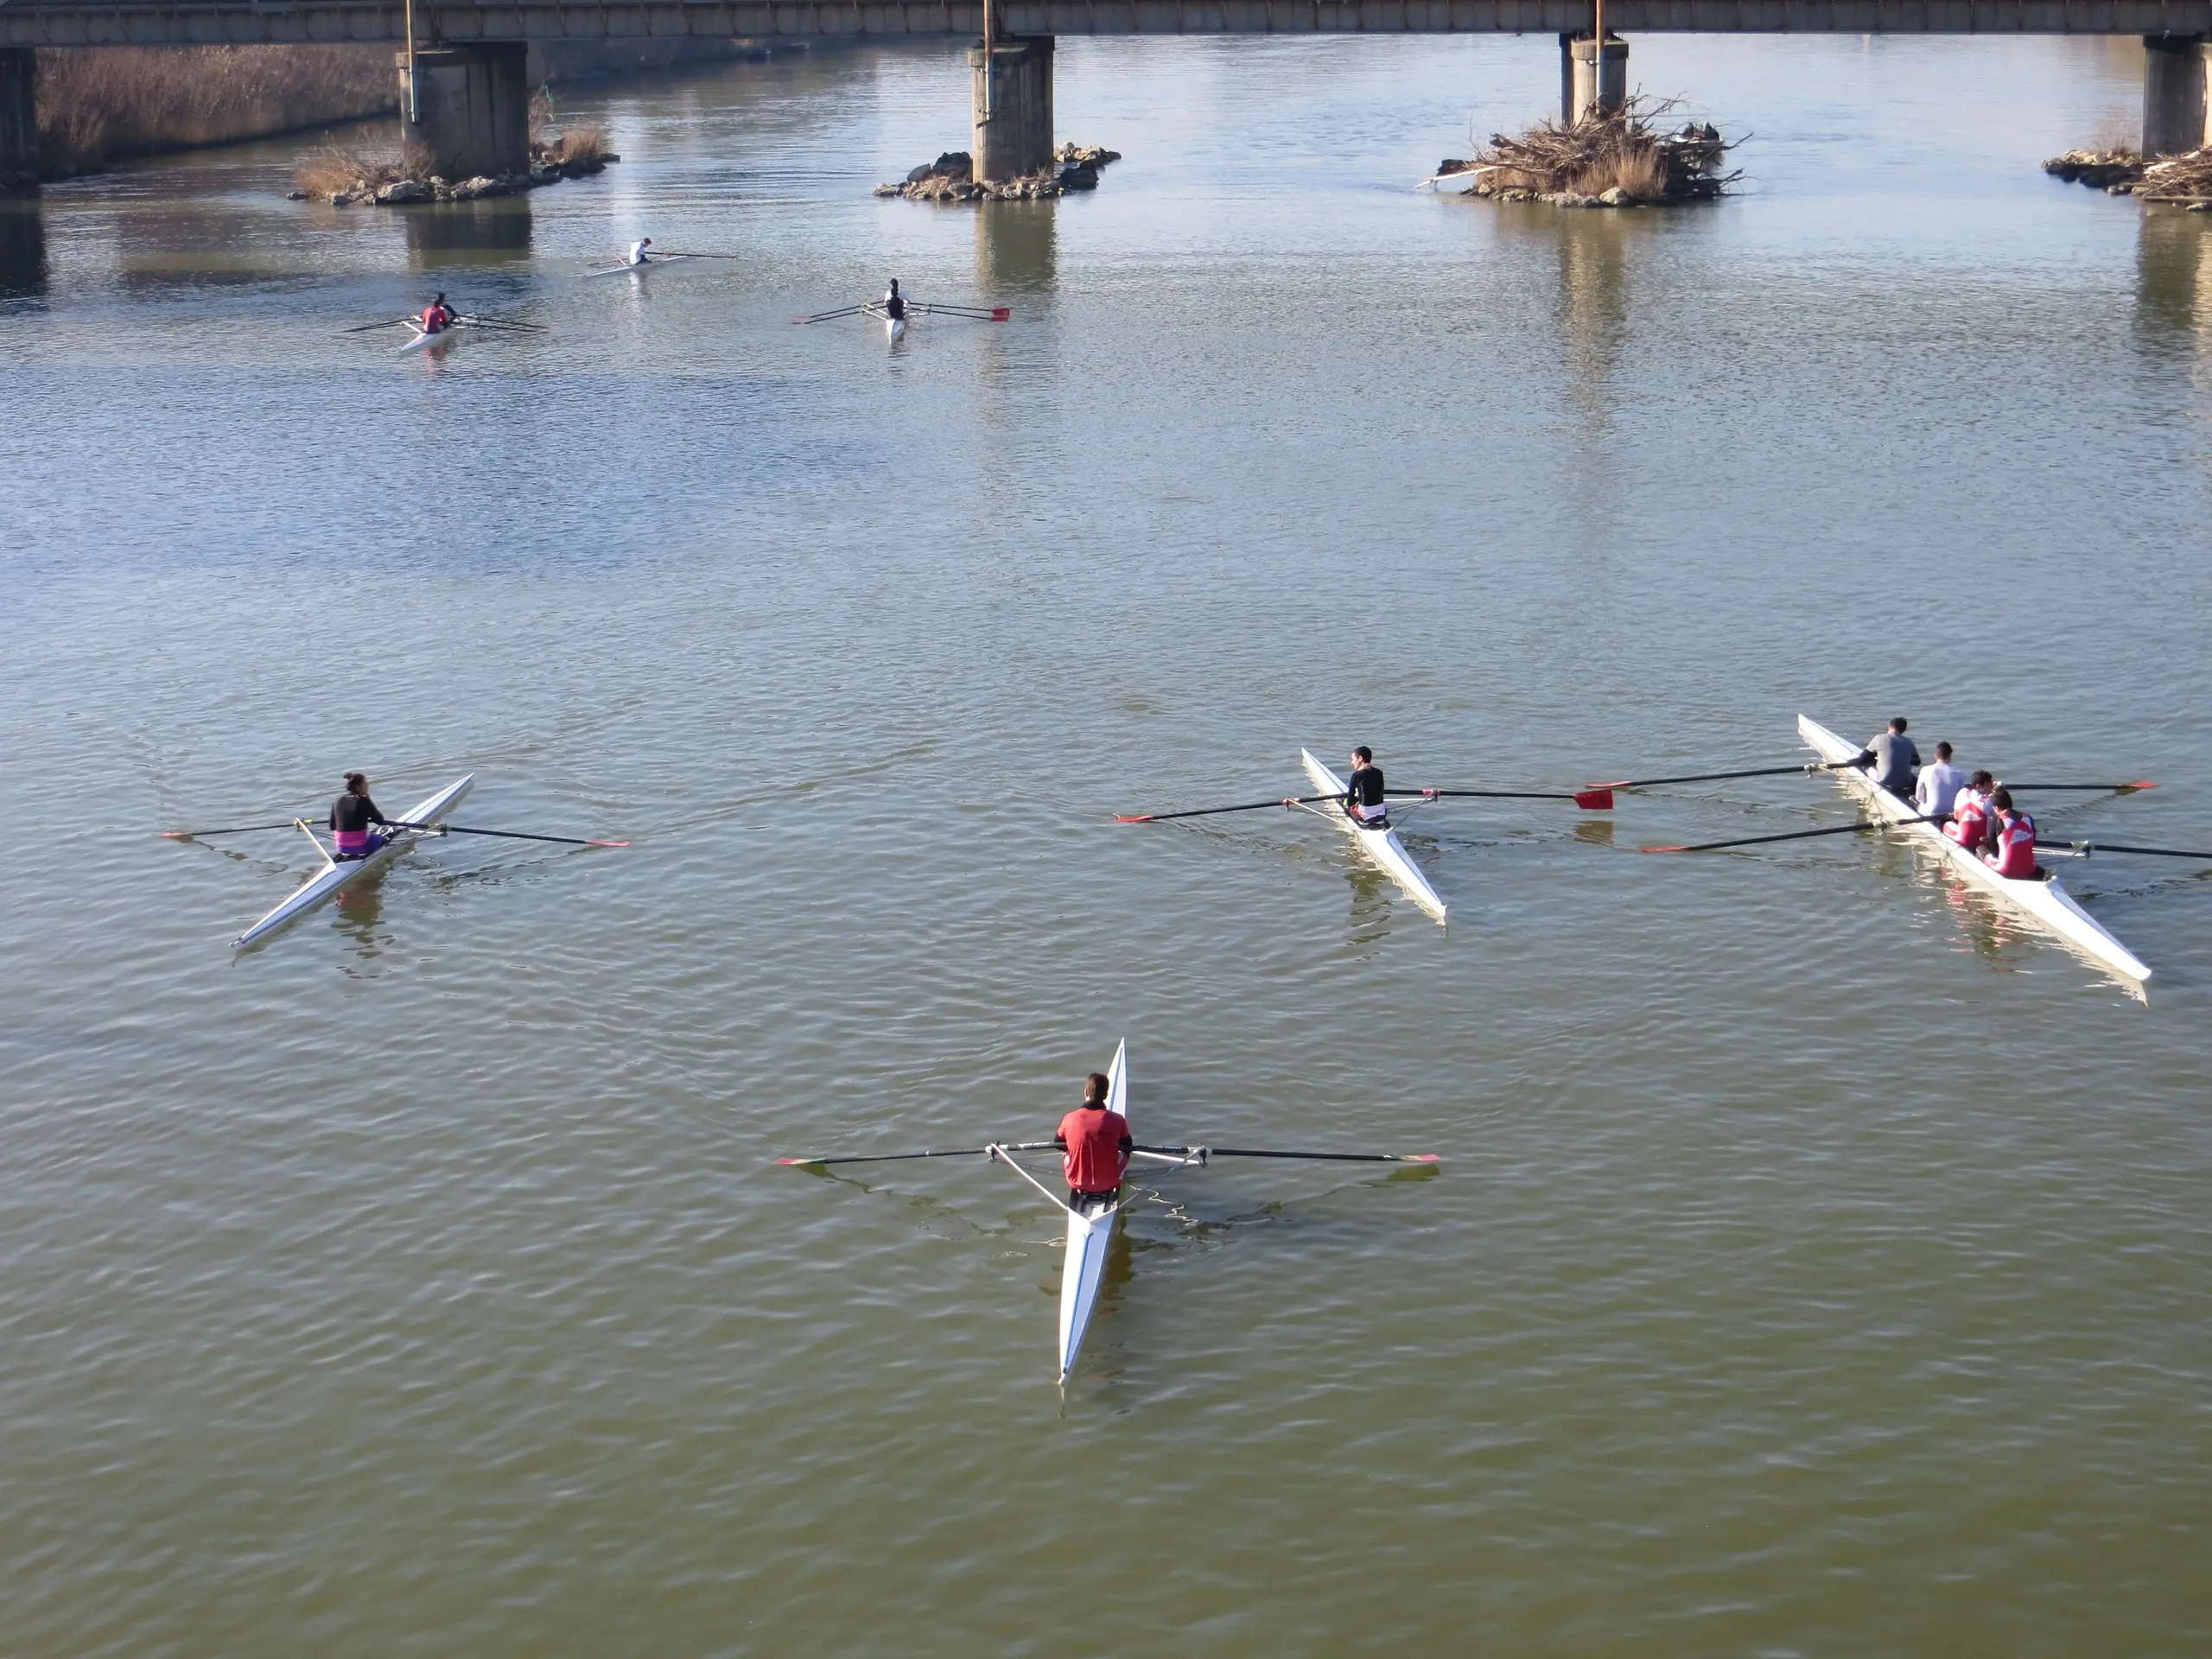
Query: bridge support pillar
(1588, 80)
(18, 121)
(2173, 94)
(1012, 103)
(470, 109)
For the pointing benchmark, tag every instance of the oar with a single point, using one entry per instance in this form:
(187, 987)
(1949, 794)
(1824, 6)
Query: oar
(2083, 849)
(364, 327)
(240, 830)
(1208, 811)
(896, 1157)
(966, 313)
(504, 835)
(1204, 1152)
(831, 316)
(1710, 777)
(476, 321)
(1597, 798)
(1794, 835)
(2086, 789)
(688, 253)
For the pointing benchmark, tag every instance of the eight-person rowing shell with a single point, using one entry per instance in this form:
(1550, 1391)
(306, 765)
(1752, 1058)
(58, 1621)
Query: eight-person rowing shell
(1097, 1142)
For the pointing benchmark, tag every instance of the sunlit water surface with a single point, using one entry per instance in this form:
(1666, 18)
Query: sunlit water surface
(1820, 1261)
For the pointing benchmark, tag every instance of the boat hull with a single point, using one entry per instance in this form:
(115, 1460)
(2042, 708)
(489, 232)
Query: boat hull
(2044, 901)
(653, 263)
(1084, 1269)
(1382, 847)
(336, 875)
(431, 345)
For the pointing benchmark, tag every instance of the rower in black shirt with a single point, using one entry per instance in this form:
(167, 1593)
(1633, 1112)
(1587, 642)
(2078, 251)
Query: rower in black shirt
(894, 303)
(1364, 790)
(351, 816)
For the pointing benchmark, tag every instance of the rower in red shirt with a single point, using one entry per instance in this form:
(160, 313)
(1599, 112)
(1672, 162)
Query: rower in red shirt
(1969, 824)
(438, 316)
(1098, 1143)
(2014, 839)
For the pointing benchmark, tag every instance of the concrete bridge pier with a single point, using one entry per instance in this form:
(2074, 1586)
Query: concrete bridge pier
(1588, 80)
(470, 108)
(18, 120)
(1012, 105)
(2173, 94)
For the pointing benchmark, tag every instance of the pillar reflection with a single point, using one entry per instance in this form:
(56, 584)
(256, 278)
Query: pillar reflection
(22, 248)
(1017, 249)
(495, 229)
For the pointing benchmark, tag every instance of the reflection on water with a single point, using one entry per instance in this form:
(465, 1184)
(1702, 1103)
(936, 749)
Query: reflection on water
(467, 233)
(1016, 250)
(2171, 252)
(22, 248)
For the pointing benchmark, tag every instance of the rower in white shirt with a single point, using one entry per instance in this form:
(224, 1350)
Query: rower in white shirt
(1938, 785)
(637, 255)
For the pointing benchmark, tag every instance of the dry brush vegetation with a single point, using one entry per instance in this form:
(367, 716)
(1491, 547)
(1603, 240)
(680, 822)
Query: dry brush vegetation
(98, 103)
(1623, 151)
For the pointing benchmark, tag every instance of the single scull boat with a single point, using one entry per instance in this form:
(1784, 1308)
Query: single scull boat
(1380, 845)
(2046, 900)
(340, 873)
(1084, 1271)
(652, 262)
(426, 341)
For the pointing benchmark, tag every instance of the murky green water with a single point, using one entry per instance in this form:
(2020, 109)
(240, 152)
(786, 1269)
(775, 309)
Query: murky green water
(1820, 1261)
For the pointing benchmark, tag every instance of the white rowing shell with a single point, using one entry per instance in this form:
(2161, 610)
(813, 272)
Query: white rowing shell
(2047, 901)
(1084, 1269)
(1380, 845)
(336, 873)
(656, 260)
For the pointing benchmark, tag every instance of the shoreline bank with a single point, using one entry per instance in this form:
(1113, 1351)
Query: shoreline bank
(101, 105)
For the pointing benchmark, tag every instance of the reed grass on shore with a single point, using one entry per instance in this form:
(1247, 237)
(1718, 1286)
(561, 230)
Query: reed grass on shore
(98, 103)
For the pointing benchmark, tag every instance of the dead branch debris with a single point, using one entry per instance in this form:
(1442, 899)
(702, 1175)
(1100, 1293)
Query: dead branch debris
(2185, 179)
(1607, 159)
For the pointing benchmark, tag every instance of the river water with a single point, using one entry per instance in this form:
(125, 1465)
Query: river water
(1820, 1261)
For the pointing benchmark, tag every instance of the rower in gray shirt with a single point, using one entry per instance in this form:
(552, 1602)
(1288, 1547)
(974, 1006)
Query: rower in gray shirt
(1892, 760)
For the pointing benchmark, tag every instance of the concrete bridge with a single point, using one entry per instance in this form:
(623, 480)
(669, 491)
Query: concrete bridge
(465, 92)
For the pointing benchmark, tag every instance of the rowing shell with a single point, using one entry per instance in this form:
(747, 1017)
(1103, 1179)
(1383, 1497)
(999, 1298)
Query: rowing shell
(336, 872)
(1380, 845)
(2045, 900)
(1084, 1271)
(639, 269)
(424, 341)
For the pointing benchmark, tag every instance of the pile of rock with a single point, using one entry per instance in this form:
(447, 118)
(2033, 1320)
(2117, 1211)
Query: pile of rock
(2115, 172)
(398, 192)
(951, 178)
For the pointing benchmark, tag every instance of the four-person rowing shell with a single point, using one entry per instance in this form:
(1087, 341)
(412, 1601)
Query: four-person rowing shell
(1973, 812)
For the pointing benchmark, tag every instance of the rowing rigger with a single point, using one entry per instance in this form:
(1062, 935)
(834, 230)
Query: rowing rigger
(1090, 1231)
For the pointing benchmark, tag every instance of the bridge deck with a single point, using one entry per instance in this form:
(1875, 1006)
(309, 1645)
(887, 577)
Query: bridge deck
(139, 23)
